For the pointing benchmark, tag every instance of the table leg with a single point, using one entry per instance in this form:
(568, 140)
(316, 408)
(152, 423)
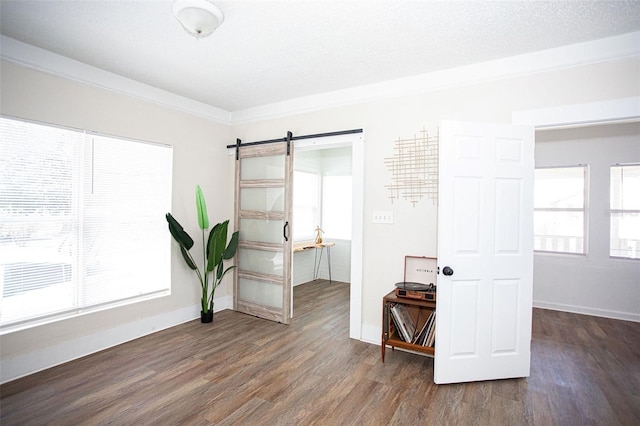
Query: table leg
(329, 262)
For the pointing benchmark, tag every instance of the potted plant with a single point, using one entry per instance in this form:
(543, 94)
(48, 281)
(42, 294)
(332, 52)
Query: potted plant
(215, 251)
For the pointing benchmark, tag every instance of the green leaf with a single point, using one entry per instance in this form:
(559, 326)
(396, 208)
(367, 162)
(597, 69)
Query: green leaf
(232, 247)
(178, 232)
(187, 258)
(201, 205)
(211, 249)
(226, 270)
(219, 272)
(219, 243)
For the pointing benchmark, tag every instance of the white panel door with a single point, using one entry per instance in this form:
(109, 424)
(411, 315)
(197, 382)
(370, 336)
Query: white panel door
(485, 252)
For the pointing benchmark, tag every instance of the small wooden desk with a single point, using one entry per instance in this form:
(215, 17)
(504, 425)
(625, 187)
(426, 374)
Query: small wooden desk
(316, 261)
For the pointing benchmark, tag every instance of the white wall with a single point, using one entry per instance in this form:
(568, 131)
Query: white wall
(593, 284)
(384, 121)
(199, 157)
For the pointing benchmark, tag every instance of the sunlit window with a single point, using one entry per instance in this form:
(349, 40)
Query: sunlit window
(560, 207)
(306, 205)
(336, 207)
(81, 222)
(625, 211)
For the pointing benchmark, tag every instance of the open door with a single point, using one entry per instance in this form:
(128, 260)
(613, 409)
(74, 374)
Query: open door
(262, 285)
(485, 252)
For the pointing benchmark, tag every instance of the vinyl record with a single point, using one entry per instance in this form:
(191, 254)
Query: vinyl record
(412, 286)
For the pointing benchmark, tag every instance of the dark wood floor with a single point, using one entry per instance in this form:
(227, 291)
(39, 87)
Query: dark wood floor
(243, 370)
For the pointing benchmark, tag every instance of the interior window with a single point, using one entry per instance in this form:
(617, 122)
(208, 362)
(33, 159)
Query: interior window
(560, 208)
(306, 205)
(625, 211)
(336, 207)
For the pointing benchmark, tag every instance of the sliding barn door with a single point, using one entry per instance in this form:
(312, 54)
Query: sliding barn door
(263, 218)
(485, 252)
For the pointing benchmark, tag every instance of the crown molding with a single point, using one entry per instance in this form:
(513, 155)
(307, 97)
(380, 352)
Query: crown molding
(602, 50)
(51, 63)
(623, 110)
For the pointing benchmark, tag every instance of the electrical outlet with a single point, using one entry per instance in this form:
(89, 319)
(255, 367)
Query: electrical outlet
(383, 217)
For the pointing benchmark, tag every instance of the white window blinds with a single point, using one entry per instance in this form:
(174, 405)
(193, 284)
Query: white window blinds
(81, 222)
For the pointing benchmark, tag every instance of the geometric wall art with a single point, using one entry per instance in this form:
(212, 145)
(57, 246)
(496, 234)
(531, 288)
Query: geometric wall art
(414, 168)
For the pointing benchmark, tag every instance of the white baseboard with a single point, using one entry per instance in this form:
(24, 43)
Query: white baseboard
(626, 316)
(22, 365)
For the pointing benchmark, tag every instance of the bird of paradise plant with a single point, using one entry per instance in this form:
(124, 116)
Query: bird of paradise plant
(215, 251)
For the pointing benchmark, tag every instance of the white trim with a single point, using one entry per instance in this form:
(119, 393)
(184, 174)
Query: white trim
(584, 310)
(356, 140)
(603, 50)
(357, 227)
(52, 63)
(592, 113)
(15, 367)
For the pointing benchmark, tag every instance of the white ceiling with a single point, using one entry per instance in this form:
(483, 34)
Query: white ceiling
(272, 51)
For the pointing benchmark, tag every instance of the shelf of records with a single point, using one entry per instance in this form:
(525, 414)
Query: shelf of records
(408, 324)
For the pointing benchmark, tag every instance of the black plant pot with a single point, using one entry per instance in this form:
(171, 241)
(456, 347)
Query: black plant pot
(206, 317)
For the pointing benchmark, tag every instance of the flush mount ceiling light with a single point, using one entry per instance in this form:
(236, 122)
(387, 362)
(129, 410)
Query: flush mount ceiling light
(199, 18)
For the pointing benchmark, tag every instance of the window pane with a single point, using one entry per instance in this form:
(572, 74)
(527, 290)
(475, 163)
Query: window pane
(78, 217)
(262, 231)
(260, 292)
(267, 167)
(262, 199)
(625, 187)
(625, 235)
(336, 207)
(123, 226)
(39, 191)
(560, 187)
(625, 220)
(560, 209)
(306, 200)
(559, 231)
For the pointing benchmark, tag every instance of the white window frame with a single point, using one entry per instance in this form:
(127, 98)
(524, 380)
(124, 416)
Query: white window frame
(621, 211)
(83, 172)
(584, 210)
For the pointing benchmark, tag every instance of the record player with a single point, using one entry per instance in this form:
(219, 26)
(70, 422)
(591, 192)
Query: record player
(420, 276)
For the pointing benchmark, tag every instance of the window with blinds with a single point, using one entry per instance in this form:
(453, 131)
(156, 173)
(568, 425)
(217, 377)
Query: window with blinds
(82, 222)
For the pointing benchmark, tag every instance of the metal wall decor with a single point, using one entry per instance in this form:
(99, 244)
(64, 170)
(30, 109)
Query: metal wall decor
(414, 168)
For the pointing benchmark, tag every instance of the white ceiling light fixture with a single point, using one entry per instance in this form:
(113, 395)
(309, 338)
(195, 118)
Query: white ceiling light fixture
(199, 18)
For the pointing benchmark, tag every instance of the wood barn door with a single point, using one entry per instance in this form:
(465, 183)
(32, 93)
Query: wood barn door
(262, 285)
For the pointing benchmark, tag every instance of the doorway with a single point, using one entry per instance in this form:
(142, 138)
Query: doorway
(321, 210)
(339, 158)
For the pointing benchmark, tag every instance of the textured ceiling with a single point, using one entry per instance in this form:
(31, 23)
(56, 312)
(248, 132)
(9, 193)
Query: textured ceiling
(271, 51)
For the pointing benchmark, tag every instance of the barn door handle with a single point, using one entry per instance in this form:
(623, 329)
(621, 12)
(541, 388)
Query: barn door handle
(284, 231)
(447, 271)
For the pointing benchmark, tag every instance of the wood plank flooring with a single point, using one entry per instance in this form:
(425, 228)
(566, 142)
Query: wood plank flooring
(242, 370)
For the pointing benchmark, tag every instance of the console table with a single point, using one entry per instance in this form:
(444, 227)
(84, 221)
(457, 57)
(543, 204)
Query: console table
(316, 260)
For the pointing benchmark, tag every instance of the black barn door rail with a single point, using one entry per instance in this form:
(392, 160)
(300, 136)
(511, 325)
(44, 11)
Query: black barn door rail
(290, 138)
